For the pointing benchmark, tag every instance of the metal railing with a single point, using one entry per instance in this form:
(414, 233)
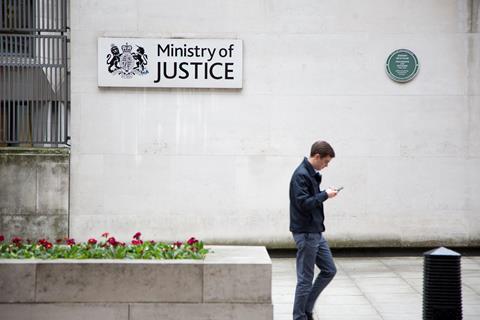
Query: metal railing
(34, 77)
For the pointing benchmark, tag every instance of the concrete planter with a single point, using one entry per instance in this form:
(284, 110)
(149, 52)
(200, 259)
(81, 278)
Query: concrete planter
(231, 283)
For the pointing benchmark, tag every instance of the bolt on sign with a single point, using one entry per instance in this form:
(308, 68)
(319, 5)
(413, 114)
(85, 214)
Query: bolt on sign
(170, 63)
(402, 65)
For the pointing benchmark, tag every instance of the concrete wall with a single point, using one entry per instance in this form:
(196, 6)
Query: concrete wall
(34, 192)
(217, 163)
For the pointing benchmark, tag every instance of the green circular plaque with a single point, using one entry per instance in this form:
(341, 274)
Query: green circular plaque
(402, 65)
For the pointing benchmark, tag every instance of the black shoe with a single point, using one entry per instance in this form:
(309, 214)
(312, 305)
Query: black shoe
(309, 315)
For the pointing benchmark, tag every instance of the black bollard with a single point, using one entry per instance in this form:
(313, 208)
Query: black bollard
(442, 285)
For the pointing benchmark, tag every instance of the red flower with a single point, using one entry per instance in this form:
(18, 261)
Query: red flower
(17, 240)
(105, 234)
(2, 238)
(92, 241)
(121, 243)
(70, 242)
(112, 241)
(192, 241)
(58, 241)
(45, 243)
(152, 242)
(177, 244)
(137, 236)
(136, 242)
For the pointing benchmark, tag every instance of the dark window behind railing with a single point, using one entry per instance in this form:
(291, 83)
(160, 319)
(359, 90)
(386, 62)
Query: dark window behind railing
(34, 77)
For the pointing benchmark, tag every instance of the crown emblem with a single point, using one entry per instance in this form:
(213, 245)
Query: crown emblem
(127, 48)
(127, 63)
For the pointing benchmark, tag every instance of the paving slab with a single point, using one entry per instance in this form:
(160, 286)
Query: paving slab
(372, 288)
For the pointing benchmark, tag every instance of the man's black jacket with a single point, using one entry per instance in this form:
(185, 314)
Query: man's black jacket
(306, 200)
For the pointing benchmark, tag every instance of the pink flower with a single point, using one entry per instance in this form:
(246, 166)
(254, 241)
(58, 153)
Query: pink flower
(192, 241)
(2, 238)
(70, 242)
(177, 244)
(152, 242)
(112, 241)
(136, 242)
(137, 236)
(105, 234)
(92, 241)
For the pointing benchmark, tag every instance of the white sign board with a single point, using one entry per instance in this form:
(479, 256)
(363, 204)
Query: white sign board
(170, 63)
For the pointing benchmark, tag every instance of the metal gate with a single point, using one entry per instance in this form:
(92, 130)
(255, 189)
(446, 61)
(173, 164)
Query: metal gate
(34, 76)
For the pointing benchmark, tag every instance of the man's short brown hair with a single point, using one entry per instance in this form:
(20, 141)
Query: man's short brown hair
(322, 148)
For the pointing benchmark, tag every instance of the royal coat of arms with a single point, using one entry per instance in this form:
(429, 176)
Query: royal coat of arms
(127, 63)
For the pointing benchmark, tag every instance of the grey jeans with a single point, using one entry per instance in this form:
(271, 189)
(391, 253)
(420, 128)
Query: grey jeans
(312, 249)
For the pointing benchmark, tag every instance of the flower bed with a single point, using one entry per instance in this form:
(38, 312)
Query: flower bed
(231, 282)
(106, 248)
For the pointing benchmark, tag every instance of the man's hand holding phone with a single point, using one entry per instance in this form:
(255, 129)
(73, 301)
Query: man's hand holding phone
(332, 192)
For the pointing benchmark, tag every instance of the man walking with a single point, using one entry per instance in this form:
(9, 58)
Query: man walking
(306, 225)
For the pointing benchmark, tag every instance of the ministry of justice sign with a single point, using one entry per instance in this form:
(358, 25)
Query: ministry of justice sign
(170, 63)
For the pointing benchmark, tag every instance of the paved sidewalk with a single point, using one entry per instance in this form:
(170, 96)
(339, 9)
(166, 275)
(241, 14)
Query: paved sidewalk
(372, 289)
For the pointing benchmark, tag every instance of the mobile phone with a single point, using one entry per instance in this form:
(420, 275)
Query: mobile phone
(339, 189)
